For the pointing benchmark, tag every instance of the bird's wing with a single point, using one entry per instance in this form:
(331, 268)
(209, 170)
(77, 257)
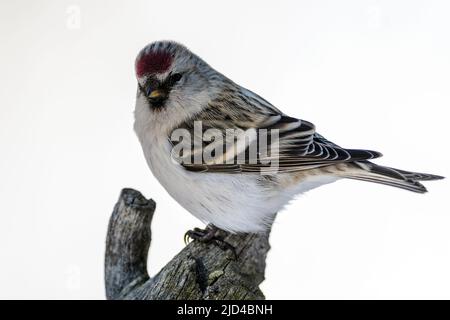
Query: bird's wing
(264, 140)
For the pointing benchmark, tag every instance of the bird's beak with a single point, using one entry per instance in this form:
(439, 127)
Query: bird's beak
(156, 94)
(157, 97)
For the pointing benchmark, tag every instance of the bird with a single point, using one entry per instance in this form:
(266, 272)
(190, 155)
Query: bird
(249, 175)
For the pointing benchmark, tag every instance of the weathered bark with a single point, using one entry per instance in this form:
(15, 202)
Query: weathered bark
(199, 271)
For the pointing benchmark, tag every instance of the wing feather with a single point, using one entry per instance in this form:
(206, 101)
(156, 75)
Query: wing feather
(293, 144)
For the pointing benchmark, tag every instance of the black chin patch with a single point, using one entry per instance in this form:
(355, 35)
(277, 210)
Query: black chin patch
(157, 103)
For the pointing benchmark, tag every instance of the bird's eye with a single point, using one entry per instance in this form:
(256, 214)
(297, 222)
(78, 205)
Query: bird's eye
(175, 77)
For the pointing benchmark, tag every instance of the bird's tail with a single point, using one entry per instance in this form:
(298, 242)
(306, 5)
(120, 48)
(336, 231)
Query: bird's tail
(368, 171)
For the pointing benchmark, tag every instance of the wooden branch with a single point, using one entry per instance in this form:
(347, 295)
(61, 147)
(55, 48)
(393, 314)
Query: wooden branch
(199, 271)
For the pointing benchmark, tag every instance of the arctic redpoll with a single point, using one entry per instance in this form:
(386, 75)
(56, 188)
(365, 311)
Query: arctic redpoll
(228, 156)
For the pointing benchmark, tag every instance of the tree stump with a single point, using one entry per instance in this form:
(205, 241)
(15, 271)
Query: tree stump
(199, 271)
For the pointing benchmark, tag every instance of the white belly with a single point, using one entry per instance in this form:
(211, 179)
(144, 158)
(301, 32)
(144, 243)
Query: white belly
(232, 202)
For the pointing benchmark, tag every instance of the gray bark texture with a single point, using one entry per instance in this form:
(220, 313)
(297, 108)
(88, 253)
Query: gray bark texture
(199, 271)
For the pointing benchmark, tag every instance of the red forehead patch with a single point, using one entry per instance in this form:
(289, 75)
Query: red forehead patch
(153, 62)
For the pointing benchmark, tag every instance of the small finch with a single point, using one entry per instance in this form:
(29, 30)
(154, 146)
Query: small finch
(241, 160)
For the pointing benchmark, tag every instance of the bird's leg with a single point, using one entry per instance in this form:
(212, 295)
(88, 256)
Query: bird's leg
(202, 235)
(208, 235)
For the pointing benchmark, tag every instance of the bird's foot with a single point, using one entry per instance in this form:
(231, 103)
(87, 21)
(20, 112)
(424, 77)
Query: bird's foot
(209, 235)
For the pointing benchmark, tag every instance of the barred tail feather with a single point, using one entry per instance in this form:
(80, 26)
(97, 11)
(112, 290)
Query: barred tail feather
(419, 176)
(409, 185)
(367, 171)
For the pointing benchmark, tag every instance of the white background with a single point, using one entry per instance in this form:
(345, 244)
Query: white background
(369, 74)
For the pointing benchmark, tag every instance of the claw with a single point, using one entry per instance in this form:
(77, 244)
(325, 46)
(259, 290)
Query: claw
(186, 238)
(209, 235)
(195, 234)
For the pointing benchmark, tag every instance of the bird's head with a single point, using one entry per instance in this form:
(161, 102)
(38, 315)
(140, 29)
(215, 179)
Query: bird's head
(173, 83)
